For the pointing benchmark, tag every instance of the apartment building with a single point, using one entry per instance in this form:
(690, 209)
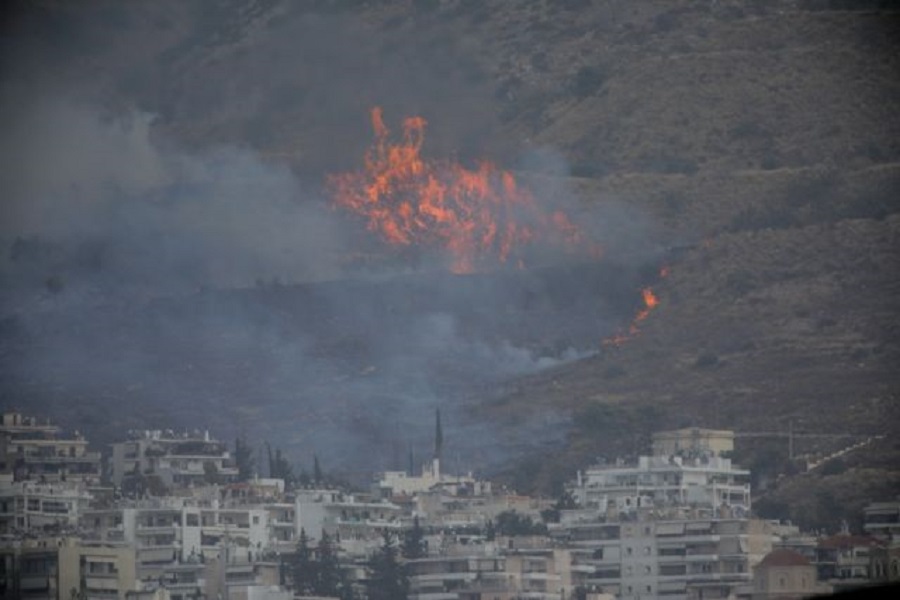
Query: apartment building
(167, 529)
(28, 567)
(881, 520)
(38, 451)
(32, 506)
(97, 570)
(177, 459)
(845, 560)
(674, 525)
(357, 522)
(785, 574)
(677, 559)
(665, 483)
(693, 441)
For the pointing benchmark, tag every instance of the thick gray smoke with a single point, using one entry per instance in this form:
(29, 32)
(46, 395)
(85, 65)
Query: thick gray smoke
(75, 178)
(163, 267)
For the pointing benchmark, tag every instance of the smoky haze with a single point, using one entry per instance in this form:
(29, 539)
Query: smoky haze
(165, 266)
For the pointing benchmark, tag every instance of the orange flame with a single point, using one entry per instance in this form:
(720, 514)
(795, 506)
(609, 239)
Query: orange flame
(480, 216)
(650, 302)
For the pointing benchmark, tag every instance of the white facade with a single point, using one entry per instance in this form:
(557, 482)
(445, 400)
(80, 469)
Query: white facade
(665, 482)
(671, 559)
(37, 451)
(30, 506)
(356, 523)
(179, 460)
(179, 529)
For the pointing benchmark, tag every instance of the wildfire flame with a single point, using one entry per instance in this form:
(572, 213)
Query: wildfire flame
(481, 216)
(650, 302)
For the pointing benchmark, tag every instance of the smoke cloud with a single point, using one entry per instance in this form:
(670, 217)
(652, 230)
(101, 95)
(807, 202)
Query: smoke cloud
(160, 271)
(157, 216)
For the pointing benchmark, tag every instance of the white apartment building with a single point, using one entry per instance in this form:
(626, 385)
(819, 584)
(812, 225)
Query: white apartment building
(37, 451)
(32, 506)
(674, 525)
(665, 483)
(487, 573)
(881, 520)
(355, 522)
(179, 530)
(178, 459)
(677, 559)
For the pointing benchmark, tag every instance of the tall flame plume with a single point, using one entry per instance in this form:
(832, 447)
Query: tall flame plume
(480, 216)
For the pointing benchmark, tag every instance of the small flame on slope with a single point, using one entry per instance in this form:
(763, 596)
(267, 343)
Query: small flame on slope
(650, 301)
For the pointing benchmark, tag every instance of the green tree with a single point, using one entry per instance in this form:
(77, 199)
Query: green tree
(565, 502)
(304, 571)
(386, 580)
(243, 458)
(211, 473)
(511, 523)
(317, 470)
(280, 467)
(414, 541)
(328, 569)
(490, 531)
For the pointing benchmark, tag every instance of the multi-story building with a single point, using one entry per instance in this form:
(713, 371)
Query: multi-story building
(176, 459)
(674, 525)
(31, 506)
(693, 441)
(684, 558)
(37, 451)
(28, 567)
(163, 530)
(666, 484)
(478, 569)
(881, 520)
(785, 575)
(97, 570)
(844, 560)
(355, 521)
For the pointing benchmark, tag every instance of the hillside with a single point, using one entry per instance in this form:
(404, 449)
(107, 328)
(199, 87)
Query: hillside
(752, 148)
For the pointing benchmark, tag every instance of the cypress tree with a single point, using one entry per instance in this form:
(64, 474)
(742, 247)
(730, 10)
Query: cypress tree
(414, 541)
(387, 581)
(304, 571)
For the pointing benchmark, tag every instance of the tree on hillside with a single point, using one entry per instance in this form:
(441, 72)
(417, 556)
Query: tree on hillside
(387, 581)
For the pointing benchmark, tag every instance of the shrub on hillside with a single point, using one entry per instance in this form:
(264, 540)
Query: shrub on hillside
(588, 81)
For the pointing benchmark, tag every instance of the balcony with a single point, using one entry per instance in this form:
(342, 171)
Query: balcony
(143, 530)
